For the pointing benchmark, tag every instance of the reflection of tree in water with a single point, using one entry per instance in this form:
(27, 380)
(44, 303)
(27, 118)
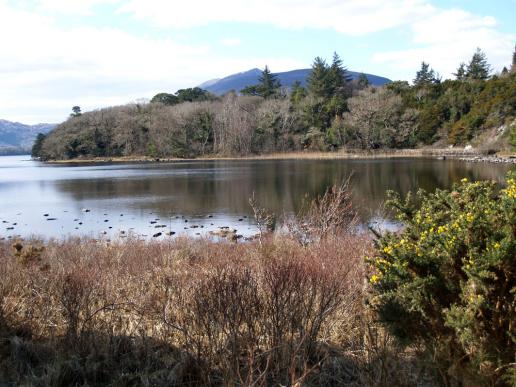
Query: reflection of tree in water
(225, 186)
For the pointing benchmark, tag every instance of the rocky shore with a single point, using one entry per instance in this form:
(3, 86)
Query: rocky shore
(489, 159)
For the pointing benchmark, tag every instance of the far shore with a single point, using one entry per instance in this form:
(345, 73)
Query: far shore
(440, 153)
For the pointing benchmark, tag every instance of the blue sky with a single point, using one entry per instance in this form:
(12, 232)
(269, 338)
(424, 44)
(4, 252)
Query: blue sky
(94, 53)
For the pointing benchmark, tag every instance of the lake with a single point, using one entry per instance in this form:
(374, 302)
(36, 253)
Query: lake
(194, 197)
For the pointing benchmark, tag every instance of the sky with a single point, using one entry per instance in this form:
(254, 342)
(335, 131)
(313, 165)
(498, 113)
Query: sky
(55, 54)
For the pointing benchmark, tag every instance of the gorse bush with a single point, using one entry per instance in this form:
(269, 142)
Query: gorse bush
(448, 279)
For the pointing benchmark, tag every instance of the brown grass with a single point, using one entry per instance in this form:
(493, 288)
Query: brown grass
(198, 312)
(190, 311)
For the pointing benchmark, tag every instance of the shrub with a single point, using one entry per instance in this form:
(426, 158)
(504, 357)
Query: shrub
(447, 280)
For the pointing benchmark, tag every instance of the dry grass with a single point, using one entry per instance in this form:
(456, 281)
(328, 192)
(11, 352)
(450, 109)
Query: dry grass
(197, 312)
(190, 312)
(294, 155)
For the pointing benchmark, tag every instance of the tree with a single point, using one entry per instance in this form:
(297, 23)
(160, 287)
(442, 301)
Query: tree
(425, 76)
(268, 83)
(297, 94)
(193, 95)
(478, 68)
(267, 87)
(460, 75)
(319, 82)
(165, 99)
(338, 75)
(76, 111)
(38, 145)
(363, 81)
(513, 66)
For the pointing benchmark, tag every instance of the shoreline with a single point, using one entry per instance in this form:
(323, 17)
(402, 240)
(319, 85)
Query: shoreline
(442, 154)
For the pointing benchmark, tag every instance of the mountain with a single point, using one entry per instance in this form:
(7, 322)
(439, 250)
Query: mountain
(240, 80)
(17, 138)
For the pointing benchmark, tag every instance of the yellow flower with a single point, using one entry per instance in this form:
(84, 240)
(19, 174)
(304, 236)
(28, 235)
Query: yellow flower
(496, 245)
(374, 279)
(441, 229)
(387, 250)
(465, 180)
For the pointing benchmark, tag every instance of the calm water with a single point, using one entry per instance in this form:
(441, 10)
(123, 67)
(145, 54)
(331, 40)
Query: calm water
(206, 194)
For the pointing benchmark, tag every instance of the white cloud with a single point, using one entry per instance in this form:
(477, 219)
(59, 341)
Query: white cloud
(76, 7)
(447, 37)
(352, 17)
(46, 69)
(231, 42)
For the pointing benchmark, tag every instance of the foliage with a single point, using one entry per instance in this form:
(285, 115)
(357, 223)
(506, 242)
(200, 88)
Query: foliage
(165, 99)
(38, 144)
(76, 111)
(268, 86)
(330, 113)
(195, 94)
(377, 118)
(425, 76)
(478, 68)
(448, 279)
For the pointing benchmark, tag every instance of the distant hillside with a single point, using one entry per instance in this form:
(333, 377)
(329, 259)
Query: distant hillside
(239, 81)
(16, 137)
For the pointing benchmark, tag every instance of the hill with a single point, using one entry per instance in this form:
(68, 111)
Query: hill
(240, 80)
(16, 137)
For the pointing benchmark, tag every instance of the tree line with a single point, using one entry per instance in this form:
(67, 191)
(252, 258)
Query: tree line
(331, 112)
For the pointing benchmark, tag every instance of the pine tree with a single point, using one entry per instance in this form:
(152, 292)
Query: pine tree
(425, 76)
(268, 84)
(38, 145)
(267, 87)
(338, 74)
(478, 68)
(460, 75)
(319, 82)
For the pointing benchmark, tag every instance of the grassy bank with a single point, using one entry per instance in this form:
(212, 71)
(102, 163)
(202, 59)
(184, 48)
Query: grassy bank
(308, 155)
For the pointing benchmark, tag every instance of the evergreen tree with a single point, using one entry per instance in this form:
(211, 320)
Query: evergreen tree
(319, 82)
(165, 99)
(339, 75)
(267, 87)
(298, 93)
(76, 111)
(363, 81)
(268, 83)
(513, 66)
(425, 76)
(38, 144)
(478, 68)
(460, 75)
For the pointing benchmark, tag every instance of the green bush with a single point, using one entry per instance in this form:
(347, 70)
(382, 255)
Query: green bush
(447, 280)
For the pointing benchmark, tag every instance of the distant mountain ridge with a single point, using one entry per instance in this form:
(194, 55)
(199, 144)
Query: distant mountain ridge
(240, 80)
(16, 137)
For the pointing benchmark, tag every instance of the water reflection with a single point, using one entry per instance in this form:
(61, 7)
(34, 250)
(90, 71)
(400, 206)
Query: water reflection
(132, 195)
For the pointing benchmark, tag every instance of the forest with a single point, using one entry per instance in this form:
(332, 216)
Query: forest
(331, 113)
